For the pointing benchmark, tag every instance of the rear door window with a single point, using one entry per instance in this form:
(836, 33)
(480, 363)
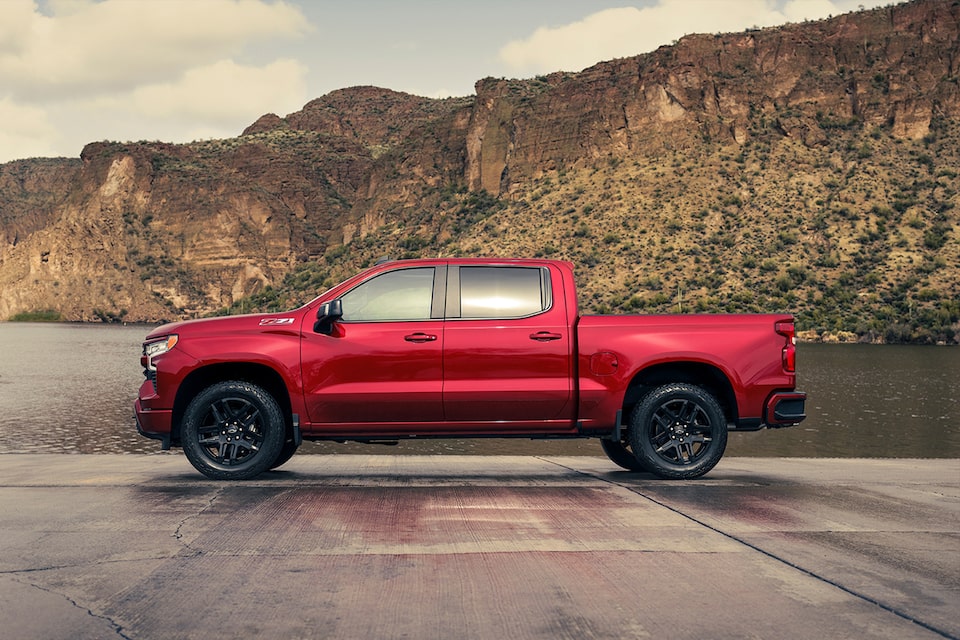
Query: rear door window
(503, 292)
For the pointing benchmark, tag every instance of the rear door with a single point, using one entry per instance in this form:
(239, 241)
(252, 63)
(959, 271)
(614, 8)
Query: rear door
(507, 345)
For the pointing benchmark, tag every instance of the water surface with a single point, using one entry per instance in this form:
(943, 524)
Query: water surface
(69, 388)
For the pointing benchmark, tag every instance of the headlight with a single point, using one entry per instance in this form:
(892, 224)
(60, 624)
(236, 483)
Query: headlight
(161, 346)
(153, 349)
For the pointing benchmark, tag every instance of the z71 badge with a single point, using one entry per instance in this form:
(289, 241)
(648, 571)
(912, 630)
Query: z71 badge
(275, 322)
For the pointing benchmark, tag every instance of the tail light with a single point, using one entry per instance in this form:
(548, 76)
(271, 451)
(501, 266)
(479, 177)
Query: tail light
(789, 354)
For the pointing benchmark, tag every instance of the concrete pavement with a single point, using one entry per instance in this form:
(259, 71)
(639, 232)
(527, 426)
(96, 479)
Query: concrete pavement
(386, 546)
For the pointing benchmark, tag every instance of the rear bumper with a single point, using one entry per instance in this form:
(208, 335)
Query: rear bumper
(785, 409)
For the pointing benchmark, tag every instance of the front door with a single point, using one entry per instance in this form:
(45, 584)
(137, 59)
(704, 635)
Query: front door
(383, 364)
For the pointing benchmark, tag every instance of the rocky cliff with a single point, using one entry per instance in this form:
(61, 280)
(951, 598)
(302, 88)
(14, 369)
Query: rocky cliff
(810, 167)
(894, 68)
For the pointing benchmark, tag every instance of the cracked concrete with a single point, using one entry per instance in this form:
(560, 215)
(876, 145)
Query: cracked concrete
(124, 546)
(30, 610)
(178, 533)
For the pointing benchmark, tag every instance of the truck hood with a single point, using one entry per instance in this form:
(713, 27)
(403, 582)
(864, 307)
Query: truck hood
(254, 322)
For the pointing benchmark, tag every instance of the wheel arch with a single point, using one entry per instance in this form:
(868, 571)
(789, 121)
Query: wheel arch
(702, 374)
(259, 374)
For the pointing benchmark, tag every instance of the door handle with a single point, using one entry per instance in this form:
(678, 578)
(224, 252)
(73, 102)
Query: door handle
(419, 337)
(545, 336)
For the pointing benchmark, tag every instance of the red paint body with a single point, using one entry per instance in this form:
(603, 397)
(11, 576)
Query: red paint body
(548, 373)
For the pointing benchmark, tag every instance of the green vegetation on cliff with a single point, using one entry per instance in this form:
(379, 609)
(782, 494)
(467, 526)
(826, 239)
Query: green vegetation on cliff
(857, 235)
(37, 316)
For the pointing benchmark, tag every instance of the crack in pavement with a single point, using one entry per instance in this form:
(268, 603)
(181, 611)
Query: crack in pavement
(117, 628)
(178, 531)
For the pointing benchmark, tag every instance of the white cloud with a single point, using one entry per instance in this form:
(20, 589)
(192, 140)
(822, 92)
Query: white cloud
(125, 69)
(215, 101)
(26, 132)
(88, 46)
(15, 25)
(630, 31)
(225, 90)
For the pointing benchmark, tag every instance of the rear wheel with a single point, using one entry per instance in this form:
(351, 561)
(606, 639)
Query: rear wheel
(233, 431)
(678, 431)
(619, 452)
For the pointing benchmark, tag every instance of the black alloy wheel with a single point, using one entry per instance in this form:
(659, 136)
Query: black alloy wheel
(233, 431)
(678, 431)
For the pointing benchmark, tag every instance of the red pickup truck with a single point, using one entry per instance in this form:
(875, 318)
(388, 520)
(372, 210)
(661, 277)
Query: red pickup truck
(465, 348)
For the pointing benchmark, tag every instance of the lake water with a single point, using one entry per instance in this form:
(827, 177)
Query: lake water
(68, 388)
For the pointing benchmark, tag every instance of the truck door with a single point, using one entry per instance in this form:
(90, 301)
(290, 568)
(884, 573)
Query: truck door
(507, 346)
(383, 363)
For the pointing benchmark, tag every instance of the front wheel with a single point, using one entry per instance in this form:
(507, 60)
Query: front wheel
(678, 431)
(232, 431)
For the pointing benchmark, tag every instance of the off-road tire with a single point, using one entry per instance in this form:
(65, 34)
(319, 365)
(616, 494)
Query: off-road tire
(232, 430)
(678, 431)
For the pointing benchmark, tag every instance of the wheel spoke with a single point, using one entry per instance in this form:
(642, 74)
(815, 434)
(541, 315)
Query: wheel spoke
(232, 432)
(669, 445)
(688, 412)
(240, 449)
(662, 420)
(220, 411)
(251, 420)
(213, 438)
(680, 431)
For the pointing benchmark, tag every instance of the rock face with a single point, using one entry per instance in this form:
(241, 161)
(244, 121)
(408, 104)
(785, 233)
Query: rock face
(150, 231)
(895, 67)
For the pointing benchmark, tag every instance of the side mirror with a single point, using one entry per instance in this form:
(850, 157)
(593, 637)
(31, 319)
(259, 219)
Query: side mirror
(327, 314)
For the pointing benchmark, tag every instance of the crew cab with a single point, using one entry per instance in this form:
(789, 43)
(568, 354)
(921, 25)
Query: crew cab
(460, 348)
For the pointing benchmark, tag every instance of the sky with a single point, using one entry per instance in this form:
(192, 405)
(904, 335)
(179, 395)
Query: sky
(79, 71)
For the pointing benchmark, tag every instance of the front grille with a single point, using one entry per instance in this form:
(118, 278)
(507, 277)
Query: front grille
(151, 375)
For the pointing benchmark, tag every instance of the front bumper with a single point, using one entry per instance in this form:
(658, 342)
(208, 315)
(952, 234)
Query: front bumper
(152, 423)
